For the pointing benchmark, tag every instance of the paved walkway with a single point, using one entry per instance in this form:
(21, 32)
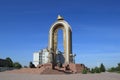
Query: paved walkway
(20, 76)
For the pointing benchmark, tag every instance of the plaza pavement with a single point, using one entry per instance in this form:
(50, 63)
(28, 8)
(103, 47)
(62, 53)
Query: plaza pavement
(23, 76)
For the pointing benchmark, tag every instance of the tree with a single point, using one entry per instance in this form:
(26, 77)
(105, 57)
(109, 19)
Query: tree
(92, 70)
(118, 67)
(115, 69)
(31, 65)
(10, 62)
(17, 65)
(118, 64)
(102, 68)
(97, 70)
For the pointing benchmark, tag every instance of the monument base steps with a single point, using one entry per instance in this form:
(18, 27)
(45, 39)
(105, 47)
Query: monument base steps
(47, 69)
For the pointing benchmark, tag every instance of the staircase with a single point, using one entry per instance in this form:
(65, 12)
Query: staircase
(55, 71)
(47, 69)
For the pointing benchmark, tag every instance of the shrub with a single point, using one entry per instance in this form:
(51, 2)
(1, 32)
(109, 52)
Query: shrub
(84, 71)
(97, 70)
(17, 65)
(113, 69)
(118, 71)
(92, 70)
(31, 65)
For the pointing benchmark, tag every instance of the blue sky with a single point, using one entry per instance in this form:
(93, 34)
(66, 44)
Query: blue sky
(24, 27)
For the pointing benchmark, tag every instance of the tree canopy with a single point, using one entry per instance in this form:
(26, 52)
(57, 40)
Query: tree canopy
(102, 68)
(17, 65)
(10, 62)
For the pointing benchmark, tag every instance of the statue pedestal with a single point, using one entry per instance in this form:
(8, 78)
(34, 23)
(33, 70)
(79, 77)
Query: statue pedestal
(66, 68)
(48, 65)
(77, 68)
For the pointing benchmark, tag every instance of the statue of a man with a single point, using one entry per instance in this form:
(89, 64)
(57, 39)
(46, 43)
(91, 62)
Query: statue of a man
(51, 57)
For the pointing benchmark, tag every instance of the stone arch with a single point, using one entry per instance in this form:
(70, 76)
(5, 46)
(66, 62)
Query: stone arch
(67, 38)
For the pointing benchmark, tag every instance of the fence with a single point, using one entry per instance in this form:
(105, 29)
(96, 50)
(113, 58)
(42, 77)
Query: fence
(5, 68)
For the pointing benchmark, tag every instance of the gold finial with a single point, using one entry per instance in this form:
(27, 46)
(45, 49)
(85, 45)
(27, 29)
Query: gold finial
(59, 18)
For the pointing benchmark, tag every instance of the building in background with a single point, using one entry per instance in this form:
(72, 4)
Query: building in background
(40, 57)
(3, 63)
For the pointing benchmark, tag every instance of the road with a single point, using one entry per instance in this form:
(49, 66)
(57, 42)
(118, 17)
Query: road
(20, 76)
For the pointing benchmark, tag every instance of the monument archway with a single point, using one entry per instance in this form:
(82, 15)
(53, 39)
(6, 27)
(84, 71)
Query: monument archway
(67, 38)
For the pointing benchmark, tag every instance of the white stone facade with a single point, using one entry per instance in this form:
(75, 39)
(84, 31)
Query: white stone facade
(40, 57)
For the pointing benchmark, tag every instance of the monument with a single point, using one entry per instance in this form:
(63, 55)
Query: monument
(67, 64)
(67, 39)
